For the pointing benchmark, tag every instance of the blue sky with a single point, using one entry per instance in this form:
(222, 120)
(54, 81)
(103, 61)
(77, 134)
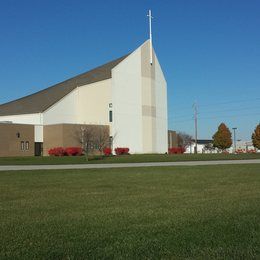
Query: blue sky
(209, 51)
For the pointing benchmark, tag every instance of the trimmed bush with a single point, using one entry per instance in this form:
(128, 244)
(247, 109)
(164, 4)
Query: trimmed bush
(251, 151)
(61, 151)
(73, 151)
(107, 151)
(121, 150)
(176, 150)
(57, 151)
(239, 151)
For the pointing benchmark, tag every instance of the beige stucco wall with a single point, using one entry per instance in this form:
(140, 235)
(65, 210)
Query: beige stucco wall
(64, 111)
(93, 103)
(148, 100)
(87, 104)
(154, 103)
(10, 144)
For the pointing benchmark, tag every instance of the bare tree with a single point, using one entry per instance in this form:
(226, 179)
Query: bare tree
(183, 139)
(101, 140)
(86, 137)
(93, 138)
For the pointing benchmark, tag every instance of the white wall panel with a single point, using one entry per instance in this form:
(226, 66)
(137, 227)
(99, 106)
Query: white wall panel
(127, 103)
(161, 110)
(30, 119)
(64, 111)
(38, 133)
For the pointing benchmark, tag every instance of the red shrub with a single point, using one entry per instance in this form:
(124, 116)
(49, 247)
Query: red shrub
(176, 150)
(107, 151)
(245, 151)
(60, 151)
(57, 151)
(73, 151)
(121, 150)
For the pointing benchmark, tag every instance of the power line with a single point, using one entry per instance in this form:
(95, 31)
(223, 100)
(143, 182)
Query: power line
(220, 103)
(228, 110)
(216, 117)
(230, 116)
(216, 111)
(232, 102)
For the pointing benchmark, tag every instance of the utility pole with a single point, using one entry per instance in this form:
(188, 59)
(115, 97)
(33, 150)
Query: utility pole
(196, 126)
(234, 145)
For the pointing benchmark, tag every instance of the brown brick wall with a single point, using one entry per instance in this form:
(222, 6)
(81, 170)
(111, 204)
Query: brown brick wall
(172, 139)
(10, 143)
(52, 137)
(63, 135)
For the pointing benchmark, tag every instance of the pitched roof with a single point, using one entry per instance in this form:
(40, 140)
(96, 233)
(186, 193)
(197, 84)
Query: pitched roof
(40, 101)
(203, 141)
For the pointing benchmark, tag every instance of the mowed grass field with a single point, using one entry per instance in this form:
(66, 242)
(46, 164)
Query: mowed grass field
(133, 158)
(204, 212)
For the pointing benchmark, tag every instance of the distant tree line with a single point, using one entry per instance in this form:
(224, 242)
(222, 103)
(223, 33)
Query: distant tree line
(256, 137)
(222, 139)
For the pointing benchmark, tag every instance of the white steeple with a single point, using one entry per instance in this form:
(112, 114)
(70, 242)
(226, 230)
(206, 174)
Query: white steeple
(150, 34)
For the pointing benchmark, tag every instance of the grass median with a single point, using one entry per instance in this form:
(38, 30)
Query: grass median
(165, 212)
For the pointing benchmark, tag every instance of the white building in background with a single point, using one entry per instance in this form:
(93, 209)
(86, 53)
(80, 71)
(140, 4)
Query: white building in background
(245, 146)
(128, 94)
(206, 146)
(201, 146)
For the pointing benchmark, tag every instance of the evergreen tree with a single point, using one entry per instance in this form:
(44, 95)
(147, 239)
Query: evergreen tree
(256, 137)
(222, 139)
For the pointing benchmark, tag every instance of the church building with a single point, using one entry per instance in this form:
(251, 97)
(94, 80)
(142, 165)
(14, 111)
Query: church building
(127, 95)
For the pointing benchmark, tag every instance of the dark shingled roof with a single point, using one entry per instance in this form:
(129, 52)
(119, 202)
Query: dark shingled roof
(203, 141)
(40, 101)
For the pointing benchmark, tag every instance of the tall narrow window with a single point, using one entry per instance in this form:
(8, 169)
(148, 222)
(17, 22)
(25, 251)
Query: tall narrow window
(110, 116)
(26, 145)
(22, 145)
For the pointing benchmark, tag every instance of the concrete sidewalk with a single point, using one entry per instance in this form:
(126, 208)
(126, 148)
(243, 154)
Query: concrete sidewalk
(123, 165)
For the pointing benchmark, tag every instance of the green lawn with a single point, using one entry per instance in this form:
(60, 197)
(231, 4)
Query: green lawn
(125, 159)
(204, 212)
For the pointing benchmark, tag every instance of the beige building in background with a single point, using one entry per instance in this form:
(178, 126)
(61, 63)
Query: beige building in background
(128, 95)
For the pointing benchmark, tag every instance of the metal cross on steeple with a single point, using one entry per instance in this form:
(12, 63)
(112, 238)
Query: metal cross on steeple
(150, 31)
